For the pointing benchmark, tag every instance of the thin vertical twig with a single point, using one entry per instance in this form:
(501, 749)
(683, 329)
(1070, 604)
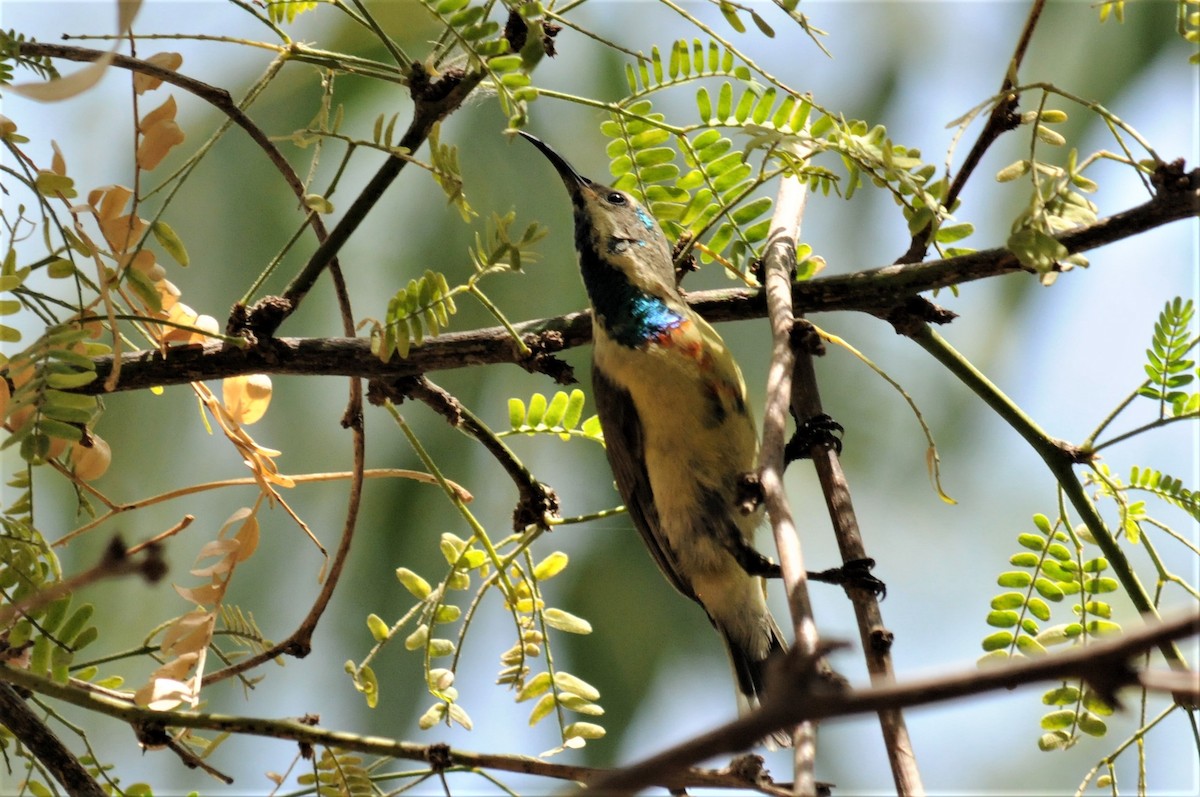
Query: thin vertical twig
(779, 265)
(876, 639)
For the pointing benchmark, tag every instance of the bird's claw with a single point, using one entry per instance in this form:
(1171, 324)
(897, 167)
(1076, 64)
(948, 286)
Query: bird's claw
(855, 574)
(817, 430)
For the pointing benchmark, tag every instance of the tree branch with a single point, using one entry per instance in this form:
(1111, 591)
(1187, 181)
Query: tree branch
(1104, 665)
(876, 291)
(1002, 118)
(875, 638)
(779, 266)
(47, 748)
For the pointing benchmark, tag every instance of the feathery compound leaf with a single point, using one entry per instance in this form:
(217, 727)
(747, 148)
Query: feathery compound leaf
(1168, 488)
(423, 306)
(1166, 364)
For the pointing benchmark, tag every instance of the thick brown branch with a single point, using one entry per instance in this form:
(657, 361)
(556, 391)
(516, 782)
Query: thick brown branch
(874, 291)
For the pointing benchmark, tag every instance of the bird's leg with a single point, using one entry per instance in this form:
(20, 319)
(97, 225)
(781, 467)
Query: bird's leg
(819, 429)
(853, 574)
(753, 562)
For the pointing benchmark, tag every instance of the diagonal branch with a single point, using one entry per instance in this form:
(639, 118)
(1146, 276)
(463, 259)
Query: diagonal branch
(1003, 117)
(47, 748)
(1104, 665)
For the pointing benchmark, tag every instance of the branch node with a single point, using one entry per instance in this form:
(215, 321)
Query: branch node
(804, 338)
(516, 32)
(439, 757)
(427, 91)
(748, 493)
(540, 359)
(911, 315)
(750, 768)
(300, 646)
(685, 265)
(1172, 177)
(535, 506)
(881, 640)
(260, 321)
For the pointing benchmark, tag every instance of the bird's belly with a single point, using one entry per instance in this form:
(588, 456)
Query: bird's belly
(697, 440)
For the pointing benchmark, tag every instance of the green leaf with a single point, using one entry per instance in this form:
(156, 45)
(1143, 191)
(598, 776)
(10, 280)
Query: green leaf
(1039, 609)
(440, 647)
(171, 243)
(998, 640)
(445, 7)
(1014, 579)
(74, 625)
(516, 413)
(1024, 560)
(377, 627)
(730, 13)
(724, 101)
(556, 410)
(1092, 725)
(1008, 600)
(1061, 696)
(1100, 585)
(1048, 589)
(1056, 740)
(542, 708)
(1033, 542)
(583, 730)
(551, 566)
(534, 687)
(1030, 646)
(570, 683)
(1005, 618)
(567, 622)
(574, 411)
(537, 410)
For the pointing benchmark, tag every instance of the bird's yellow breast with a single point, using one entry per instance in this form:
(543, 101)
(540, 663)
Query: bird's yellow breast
(698, 437)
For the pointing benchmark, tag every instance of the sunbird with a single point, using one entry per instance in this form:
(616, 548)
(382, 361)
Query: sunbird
(679, 438)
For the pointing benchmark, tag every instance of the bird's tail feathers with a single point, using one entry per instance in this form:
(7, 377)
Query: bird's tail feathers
(750, 671)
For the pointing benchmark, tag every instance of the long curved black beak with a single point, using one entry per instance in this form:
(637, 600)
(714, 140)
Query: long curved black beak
(572, 179)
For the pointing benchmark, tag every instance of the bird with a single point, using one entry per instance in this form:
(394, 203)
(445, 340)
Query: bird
(678, 435)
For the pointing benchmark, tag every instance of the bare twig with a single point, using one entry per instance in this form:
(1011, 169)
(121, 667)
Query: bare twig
(433, 100)
(1002, 118)
(876, 639)
(538, 501)
(215, 96)
(115, 562)
(779, 265)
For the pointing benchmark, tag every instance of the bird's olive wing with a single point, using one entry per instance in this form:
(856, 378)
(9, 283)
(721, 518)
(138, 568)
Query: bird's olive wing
(623, 441)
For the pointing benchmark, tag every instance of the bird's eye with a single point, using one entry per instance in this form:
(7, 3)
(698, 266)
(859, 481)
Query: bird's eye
(616, 198)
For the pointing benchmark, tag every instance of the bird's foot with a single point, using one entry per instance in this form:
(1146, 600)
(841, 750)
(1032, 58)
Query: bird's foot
(817, 430)
(855, 574)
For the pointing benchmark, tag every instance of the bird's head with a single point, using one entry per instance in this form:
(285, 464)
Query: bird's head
(612, 229)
